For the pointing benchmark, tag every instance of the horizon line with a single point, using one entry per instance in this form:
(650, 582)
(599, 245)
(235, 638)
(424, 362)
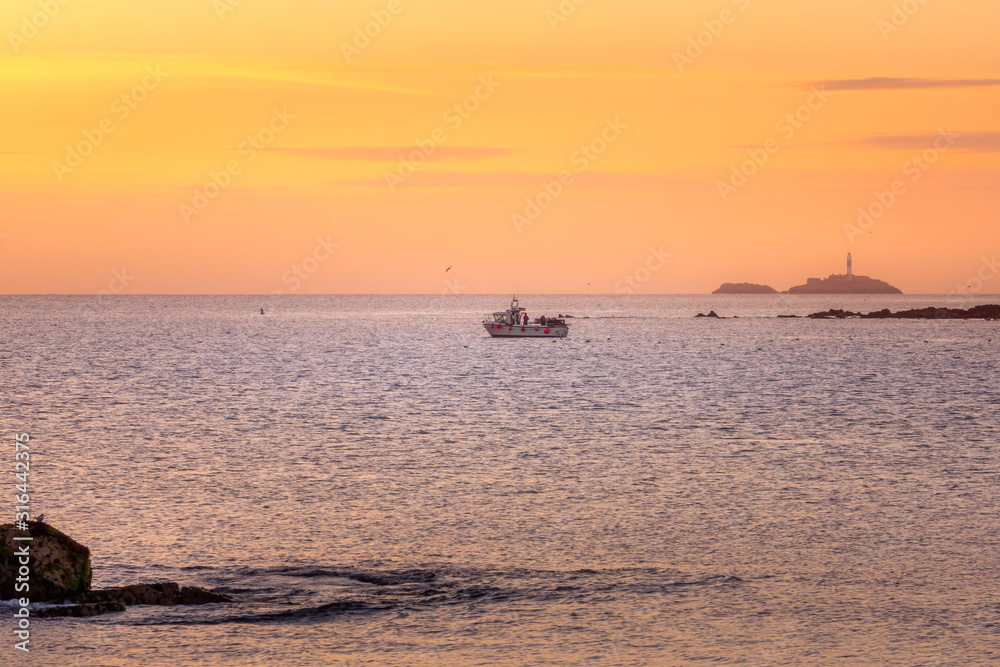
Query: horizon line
(504, 294)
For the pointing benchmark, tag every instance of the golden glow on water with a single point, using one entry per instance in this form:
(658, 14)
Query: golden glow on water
(653, 489)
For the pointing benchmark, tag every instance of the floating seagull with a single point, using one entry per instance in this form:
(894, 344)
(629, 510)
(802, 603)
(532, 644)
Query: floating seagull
(447, 270)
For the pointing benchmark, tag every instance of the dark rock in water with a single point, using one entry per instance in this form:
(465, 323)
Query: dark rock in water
(745, 288)
(111, 600)
(60, 566)
(839, 314)
(985, 312)
(711, 313)
(165, 593)
(195, 595)
(60, 572)
(80, 610)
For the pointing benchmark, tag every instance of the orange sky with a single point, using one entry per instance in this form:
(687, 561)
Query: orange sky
(254, 146)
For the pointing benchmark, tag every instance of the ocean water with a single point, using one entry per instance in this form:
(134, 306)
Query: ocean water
(378, 482)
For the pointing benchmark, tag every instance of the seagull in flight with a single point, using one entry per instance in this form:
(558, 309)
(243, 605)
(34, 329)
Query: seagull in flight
(447, 270)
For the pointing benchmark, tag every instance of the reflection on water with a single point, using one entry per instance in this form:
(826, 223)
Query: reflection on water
(380, 483)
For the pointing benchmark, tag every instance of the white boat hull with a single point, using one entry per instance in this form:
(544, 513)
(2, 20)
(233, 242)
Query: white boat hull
(528, 331)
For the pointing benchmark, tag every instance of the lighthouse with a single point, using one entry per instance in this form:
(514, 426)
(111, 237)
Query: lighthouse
(849, 273)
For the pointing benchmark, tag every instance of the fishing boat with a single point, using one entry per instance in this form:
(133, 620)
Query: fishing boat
(515, 323)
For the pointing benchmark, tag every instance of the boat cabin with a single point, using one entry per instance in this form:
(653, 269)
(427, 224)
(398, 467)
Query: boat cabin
(511, 316)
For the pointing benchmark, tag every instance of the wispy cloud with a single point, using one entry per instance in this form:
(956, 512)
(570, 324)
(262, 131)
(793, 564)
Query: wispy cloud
(896, 83)
(388, 153)
(595, 180)
(972, 142)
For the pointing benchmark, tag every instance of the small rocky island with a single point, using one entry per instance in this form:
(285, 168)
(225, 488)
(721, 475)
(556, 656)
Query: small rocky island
(837, 283)
(745, 288)
(844, 284)
(60, 573)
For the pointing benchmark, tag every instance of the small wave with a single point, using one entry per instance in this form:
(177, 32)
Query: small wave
(317, 613)
(708, 581)
(415, 590)
(15, 604)
(388, 578)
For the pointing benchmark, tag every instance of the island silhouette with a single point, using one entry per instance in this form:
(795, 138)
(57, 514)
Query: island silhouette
(837, 283)
(745, 288)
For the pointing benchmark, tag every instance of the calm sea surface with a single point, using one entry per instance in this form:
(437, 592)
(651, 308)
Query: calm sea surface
(378, 482)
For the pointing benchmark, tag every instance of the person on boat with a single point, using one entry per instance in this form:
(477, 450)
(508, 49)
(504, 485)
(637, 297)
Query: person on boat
(526, 319)
(541, 320)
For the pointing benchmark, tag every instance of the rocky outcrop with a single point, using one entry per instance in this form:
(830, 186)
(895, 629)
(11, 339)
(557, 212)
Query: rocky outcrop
(165, 593)
(745, 288)
(59, 571)
(711, 313)
(80, 610)
(59, 567)
(109, 600)
(984, 312)
(830, 314)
